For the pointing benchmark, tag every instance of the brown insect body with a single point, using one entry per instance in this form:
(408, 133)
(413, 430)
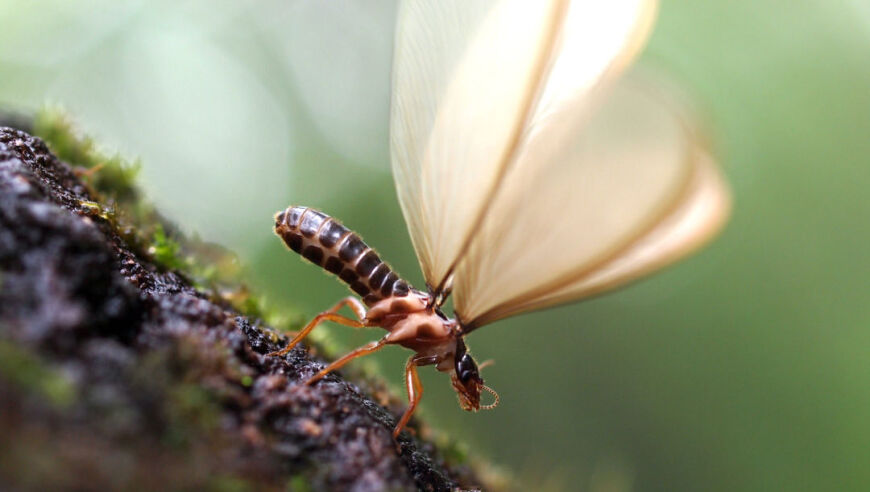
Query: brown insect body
(412, 318)
(323, 241)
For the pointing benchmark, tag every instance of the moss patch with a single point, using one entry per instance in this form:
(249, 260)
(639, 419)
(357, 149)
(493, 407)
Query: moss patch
(32, 375)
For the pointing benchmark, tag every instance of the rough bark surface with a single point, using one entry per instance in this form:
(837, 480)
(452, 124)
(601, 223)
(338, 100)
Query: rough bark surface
(117, 374)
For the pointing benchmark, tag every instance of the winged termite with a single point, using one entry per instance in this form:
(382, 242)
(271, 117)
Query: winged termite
(528, 177)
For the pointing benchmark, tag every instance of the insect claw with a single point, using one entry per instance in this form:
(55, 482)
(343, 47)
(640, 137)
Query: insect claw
(280, 352)
(313, 379)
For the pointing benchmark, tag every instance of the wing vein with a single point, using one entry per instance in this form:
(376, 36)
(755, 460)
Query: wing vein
(567, 279)
(542, 69)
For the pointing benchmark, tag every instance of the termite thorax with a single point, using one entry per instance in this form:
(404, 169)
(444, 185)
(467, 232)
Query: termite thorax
(412, 323)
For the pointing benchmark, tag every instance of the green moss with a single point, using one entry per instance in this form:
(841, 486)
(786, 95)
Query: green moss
(29, 373)
(224, 483)
(454, 452)
(108, 174)
(192, 411)
(55, 127)
(166, 251)
(112, 180)
(298, 483)
(174, 377)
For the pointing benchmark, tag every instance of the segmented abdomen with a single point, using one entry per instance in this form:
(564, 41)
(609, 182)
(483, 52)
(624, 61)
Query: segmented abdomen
(323, 241)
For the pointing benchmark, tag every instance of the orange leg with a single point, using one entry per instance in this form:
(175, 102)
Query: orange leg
(415, 393)
(329, 315)
(364, 350)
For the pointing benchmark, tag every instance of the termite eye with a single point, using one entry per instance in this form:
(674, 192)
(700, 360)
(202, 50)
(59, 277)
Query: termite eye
(466, 369)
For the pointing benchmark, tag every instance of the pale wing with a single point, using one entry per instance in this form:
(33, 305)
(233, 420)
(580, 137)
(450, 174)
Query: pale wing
(696, 218)
(468, 78)
(594, 201)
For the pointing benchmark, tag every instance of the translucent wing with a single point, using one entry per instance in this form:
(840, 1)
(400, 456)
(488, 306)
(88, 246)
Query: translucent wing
(593, 201)
(472, 82)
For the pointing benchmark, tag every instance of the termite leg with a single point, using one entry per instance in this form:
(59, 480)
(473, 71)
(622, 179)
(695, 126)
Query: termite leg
(329, 315)
(364, 350)
(415, 390)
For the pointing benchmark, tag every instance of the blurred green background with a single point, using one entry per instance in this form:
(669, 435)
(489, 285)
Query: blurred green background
(745, 367)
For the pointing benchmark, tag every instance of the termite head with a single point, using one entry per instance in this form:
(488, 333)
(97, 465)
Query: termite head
(467, 381)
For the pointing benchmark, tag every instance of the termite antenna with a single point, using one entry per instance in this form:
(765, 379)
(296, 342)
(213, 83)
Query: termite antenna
(494, 403)
(486, 363)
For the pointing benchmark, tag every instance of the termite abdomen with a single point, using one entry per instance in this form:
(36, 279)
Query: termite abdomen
(323, 241)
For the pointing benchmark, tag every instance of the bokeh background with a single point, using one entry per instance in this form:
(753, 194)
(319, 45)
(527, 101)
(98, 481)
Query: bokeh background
(745, 367)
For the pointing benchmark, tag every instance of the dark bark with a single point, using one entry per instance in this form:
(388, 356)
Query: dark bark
(118, 374)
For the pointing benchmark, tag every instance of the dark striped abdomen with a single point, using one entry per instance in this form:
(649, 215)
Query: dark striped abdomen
(323, 241)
